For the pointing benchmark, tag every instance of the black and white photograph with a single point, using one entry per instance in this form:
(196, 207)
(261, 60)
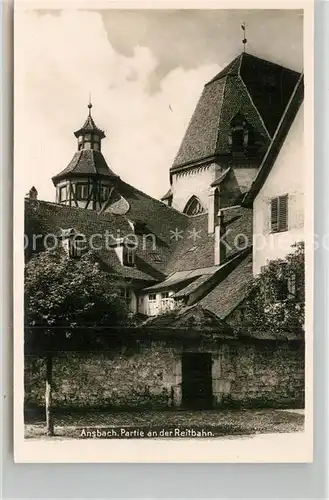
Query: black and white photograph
(163, 226)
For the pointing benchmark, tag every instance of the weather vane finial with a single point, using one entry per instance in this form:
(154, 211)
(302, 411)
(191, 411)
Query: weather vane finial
(90, 105)
(244, 41)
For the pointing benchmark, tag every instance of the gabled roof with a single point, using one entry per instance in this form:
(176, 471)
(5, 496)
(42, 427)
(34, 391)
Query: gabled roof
(231, 291)
(193, 318)
(161, 223)
(195, 248)
(168, 195)
(256, 88)
(46, 218)
(86, 162)
(220, 178)
(182, 278)
(191, 287)
(279, 137)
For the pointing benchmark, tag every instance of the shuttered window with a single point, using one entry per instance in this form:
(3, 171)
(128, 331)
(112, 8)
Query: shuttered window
(279, 214)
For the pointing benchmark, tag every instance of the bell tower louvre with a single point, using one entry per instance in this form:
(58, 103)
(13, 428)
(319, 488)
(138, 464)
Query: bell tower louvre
(87, 181)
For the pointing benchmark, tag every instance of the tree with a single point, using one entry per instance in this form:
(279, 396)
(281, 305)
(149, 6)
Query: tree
(64, 296)
(276, 297)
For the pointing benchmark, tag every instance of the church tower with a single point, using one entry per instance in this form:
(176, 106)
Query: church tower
(229, 132)
(87, 181)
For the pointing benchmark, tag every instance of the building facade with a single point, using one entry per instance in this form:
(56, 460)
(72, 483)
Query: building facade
(277, 193)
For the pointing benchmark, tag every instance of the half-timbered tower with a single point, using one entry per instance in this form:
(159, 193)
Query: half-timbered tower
(87, 181)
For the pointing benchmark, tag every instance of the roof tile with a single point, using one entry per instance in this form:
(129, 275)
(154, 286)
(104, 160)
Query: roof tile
(258, 89)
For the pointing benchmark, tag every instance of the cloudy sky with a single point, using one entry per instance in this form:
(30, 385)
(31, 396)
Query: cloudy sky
(145, 71)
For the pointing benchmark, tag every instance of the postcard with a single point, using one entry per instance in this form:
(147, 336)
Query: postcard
(163, 232)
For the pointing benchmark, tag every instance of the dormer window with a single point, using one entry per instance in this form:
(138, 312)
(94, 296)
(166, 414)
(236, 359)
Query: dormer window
(128, 257)
(73, 243)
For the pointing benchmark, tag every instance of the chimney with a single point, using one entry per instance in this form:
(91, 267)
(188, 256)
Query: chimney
(212, 208)
(219, 244)
(32, 194)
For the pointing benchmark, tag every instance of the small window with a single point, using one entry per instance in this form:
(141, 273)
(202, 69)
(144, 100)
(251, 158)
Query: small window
(104, 193)
(128, 256)
(82, 191)
(63, 193)
(152, 297)
(165, 295)
(279, 214)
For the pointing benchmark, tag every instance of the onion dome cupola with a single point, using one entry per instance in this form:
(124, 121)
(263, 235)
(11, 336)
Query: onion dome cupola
(87, 181)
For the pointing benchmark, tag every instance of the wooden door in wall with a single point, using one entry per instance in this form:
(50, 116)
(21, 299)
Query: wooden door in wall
(197, 380)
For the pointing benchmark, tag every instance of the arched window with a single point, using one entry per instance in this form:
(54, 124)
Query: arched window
(193, 206)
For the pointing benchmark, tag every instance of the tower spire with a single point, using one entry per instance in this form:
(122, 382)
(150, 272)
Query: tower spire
(244, 40)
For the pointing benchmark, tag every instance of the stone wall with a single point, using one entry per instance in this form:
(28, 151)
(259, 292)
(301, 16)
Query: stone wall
(122, 379)
(260, 374)
(254, 374)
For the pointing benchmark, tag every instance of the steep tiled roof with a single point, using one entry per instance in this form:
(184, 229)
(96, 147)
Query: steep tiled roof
(256, 88)
(86, 162)
(277, 141)
(190, 318)
(230, 292)
(183, 277)
(158, 220)
(195, 249)
(48, 218)
(185, 292)
(155, 246)
(112, 265)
